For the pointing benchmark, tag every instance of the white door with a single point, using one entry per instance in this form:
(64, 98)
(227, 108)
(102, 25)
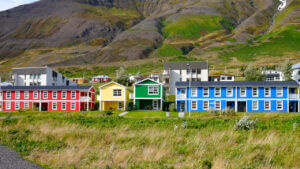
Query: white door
(155, 104)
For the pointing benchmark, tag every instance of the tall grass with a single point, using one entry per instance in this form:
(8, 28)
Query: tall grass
(90, 141)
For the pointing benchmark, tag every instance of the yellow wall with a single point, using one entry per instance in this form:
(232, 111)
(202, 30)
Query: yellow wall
(111, 105)
(106, 93)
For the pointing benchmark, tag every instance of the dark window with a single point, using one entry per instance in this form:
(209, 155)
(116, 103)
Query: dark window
(54, 75)
(229, 78)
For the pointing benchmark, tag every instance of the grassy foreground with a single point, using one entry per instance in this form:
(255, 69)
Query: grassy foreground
(91, 140)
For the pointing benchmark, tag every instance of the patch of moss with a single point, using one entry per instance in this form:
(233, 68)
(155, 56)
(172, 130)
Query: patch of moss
(168, 50)
(97, 42)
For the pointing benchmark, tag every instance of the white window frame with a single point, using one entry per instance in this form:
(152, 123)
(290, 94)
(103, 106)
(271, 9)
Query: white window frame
(53, 94)
(64, 94)
(73, 104)
(63, 103)
(154, 92)
(269, 94)
(8, 96)
(17, 105)
(227, 91)
(281, 102)
(267, 101)
(75, 94)
(194, 108)
(281, 91)
(219, 102)
(194, 92)
(205, 92)
(205, 101)
(45, 94)
(181, 93)
(54, 107)
(17, 94)
(8, 105)
(257, 105)
(253, 95)
(219, 93)
(117, 92)
(35, 94)
(241, 89)
(26, 94)
(26, 105)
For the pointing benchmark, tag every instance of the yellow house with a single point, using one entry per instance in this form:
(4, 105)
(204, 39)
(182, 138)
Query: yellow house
(113, 96)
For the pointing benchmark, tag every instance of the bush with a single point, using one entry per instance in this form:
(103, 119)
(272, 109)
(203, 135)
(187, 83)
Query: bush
(245, 123)
(130, 107)
(213, 112)
(172, 107)
(228, 112)
(107, 113)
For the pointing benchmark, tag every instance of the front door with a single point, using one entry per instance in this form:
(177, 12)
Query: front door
(155, 104)
(182, 106)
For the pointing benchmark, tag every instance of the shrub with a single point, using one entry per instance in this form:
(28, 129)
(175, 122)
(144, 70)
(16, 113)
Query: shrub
(245, 123)
(130, 107)
(107, 113)
(228, 112)
(213, 112)
(172, 107)
(206, 164)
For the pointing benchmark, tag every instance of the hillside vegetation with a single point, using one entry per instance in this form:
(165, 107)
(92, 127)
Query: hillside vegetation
(91, 140)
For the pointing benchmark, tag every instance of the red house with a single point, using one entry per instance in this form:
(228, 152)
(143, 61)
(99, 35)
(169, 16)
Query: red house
(101, 78)
(47, 98)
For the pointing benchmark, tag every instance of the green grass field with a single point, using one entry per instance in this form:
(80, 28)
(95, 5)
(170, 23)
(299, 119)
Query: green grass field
(147, 139)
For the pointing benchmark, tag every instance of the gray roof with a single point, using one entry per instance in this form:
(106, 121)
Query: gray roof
(183, 65)
(29, 70)
(45, 87)
(296, 66)
(239, 83)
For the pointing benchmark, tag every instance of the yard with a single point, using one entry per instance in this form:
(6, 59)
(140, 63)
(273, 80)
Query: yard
(144, 139)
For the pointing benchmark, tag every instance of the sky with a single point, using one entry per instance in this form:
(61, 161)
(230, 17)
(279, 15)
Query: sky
(7, 4)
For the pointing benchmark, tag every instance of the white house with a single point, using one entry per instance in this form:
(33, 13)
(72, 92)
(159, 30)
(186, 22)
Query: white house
(273, 75)
(183, 71)
(39, 76)
(222, 78)
(296, 72)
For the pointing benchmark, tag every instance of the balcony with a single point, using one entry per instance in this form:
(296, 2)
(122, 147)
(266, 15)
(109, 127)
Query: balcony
(85, 98)
(293, 96)
(181, 96)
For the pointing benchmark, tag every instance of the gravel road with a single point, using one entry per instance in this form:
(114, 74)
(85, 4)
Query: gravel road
(10, 159)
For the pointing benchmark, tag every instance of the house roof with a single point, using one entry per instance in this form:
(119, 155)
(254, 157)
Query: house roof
(296, 66)
(29, 70)
(147, 79)
(114, 83)
(45, 87)
(183, 65)
(239, 83)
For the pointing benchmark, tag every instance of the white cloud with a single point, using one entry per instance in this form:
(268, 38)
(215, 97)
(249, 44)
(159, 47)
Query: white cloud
(7, 4)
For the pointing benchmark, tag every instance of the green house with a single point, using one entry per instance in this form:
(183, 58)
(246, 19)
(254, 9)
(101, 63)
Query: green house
(149, 95)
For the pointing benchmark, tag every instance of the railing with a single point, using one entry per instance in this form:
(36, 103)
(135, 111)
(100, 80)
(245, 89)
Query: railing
(181, 96)
(293, 96)
(85, 98)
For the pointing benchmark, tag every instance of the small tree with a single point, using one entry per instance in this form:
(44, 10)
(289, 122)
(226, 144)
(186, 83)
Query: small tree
(286, 70)
(252, 73)
(122, 76)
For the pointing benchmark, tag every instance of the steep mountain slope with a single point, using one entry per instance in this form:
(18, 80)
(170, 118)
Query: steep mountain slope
(103, 32)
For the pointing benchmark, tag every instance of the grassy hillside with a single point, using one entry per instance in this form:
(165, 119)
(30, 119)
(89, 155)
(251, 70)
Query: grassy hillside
(90, 140)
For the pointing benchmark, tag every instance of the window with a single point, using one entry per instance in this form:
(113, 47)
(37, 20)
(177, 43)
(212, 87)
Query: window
(63, 106)
(73, 95)
(120, 106)
(26, 95)
(229, 91)
(187, 71)
(205, 105)
(26, 105)
(254, 92)
(267, 105)
(17, 105)
(182, 92)
(117, 92)
(229, 78)
(35, 94)
(199, 71)
(54, 105)
(243, 92)
(17, 94)
(7, 106)
(8, 95)
(267, 91)
(218, 105)
(255, 105)
(45, 94)
(279, 92)
(64, 94)
(217, 91)
(194, 92)
(205, 92)
(73, 106)
(279, 105)
(54, 94)
(153, 90)
(194, 105)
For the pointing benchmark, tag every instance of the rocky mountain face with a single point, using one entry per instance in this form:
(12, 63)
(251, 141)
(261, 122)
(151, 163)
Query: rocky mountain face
(73, 32)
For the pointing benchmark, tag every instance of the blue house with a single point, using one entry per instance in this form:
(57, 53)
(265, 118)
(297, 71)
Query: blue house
(242, 96)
